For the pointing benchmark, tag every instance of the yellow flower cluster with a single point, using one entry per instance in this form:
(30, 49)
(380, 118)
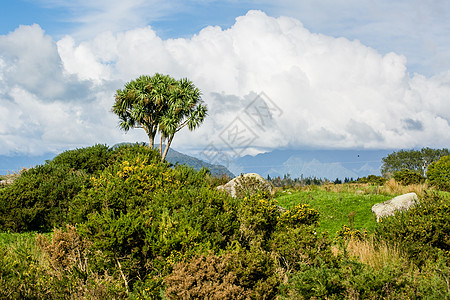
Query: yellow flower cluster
(300, 214)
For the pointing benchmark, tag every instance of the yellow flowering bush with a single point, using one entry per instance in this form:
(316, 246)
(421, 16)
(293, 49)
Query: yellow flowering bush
(301, 214)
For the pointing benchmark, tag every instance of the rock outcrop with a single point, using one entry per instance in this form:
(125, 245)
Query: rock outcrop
(246, 183)
(399, 203)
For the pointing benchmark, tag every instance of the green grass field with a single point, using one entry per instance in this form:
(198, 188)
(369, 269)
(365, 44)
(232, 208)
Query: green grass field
(337, 208)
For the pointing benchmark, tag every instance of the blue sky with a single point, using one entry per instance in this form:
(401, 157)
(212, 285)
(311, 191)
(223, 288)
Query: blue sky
(344, 74)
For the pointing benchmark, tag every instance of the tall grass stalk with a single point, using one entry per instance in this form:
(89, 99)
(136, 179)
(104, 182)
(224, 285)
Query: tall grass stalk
(375, 254)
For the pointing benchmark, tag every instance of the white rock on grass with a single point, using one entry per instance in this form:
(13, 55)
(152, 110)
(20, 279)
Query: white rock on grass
(399, 203)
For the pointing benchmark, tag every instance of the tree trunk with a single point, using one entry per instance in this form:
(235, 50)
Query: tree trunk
(169, 141)
(151, 140)
(160, 145)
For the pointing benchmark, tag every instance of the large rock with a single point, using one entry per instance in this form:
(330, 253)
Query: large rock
(246, 183)
(399, 203)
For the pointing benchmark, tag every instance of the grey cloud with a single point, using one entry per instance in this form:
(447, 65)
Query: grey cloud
(363, 132)
(410, 124)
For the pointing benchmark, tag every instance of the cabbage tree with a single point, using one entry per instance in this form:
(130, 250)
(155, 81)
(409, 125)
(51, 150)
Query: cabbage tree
(159, 104)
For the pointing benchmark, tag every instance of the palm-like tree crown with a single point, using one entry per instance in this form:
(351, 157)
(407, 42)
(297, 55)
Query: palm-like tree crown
(159, 104)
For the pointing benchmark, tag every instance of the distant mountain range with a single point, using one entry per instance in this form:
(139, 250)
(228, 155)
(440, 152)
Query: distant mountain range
(329, 164)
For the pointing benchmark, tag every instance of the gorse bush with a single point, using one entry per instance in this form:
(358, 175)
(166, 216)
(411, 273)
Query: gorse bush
(301, 214)
(90, 159)
(249, 185)
(438, 173)
(235, 274)
(372, 179)
(40, 198)
(423, 231)
(138, 213)
(408, 177)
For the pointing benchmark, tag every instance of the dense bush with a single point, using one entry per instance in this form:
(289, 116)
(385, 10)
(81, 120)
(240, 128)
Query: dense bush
(438, 173)
(39, 199)
(301, 214)
(423, 231)
(372, 179)
(408, 177)
(138, 213)
(249, 185)
(89, 159)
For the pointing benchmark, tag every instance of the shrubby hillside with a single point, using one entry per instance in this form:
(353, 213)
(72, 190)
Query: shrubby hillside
(119, 223)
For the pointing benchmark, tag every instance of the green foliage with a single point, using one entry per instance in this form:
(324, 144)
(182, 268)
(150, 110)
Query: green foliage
(294, 248)
(90, 159)
(408, 177)
(346, 233)
(247, 186)
(373, 179)
(137, 214)
(414, 160)
(438, 173)
(21, 275)
(39, 199)
(159, 103)
(257, 216)
(301, 214)
(423, 231)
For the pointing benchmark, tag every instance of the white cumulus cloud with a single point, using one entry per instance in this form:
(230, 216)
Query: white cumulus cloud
(322, 91)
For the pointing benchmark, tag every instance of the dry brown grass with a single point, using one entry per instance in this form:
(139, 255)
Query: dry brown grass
(375, 254)
(392, 187)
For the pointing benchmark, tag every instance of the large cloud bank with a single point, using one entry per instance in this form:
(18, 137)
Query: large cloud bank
(323, 92)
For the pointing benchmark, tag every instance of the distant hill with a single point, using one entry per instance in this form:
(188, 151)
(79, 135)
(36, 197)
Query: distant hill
(175, 157)
(330, 164)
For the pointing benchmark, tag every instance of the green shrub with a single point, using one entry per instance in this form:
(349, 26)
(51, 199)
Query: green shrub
(293, 248)
(138, 214)
(346, 233)
(373, 179)
(408, 177)
(89, 159)
(301, 214)
(438, 173)
(423, 231)
(247, 186)
(258, 217)
(39, 199)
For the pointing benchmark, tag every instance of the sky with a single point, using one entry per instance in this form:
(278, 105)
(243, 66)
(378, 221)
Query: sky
(342, 74)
